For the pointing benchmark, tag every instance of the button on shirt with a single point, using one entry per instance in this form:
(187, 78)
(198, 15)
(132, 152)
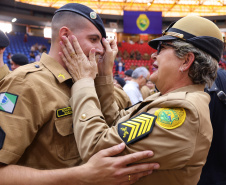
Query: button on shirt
(132, 90)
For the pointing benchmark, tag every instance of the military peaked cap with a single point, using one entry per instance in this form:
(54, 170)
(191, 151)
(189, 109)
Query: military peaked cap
(20, 59)
(199, 31)
(86, 12)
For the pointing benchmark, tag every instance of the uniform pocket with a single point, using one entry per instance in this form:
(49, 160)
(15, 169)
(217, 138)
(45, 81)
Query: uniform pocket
(65, 141)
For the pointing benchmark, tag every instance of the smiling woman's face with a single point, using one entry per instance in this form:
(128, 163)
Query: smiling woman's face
(166, 72)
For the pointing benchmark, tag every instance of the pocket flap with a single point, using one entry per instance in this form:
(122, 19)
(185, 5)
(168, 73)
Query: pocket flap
(64, 126)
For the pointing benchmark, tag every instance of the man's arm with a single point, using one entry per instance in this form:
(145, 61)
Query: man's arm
(101, 169)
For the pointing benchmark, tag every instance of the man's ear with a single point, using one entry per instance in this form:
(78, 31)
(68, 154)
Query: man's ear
(64, 31)
(2, 50)
(189, 59)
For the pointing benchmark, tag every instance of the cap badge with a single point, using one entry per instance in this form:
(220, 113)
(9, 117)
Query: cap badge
(174, 34)
(93, 15)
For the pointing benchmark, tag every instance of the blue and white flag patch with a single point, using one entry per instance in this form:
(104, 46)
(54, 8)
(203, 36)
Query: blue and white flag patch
(8, 102)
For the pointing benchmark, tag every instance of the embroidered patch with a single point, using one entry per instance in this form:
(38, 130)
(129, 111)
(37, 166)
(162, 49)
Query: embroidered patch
(8, 102)
(136, 128)
(63, 112)
(2, 138)
(170, 118)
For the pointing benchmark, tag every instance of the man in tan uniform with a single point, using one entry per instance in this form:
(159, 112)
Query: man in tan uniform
(36, 131)
(174, 123)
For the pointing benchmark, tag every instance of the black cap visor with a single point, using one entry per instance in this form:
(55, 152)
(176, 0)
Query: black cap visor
(154, 43)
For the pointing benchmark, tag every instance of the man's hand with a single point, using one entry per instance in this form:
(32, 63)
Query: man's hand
(106, 62)
(103, 169)
(78, 65)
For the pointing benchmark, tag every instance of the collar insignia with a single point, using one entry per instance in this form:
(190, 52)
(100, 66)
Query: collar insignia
(60, 75)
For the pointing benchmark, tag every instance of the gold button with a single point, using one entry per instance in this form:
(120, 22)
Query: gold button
(83, 116)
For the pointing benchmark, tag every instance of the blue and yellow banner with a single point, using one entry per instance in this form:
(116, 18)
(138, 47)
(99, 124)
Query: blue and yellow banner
(136, 22)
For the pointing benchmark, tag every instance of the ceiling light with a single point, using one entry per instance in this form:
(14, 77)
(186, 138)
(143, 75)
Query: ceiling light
(14, 20)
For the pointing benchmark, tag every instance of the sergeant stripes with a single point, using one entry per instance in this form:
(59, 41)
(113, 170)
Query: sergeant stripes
(140, 126)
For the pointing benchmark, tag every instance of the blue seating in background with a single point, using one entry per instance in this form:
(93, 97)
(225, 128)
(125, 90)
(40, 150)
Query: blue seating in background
(17, 45)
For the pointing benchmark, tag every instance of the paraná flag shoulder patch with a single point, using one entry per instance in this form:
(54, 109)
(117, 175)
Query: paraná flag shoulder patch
(136, 128)
(7, 102)
(170, 118)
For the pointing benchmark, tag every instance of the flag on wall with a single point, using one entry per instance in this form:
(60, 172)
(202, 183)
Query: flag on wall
(137, 22)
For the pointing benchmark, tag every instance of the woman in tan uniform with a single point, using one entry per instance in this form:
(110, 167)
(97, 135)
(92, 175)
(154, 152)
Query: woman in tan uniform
(37, 144)
(174, 123)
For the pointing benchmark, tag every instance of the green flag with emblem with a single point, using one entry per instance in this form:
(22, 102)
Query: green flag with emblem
(7, 102)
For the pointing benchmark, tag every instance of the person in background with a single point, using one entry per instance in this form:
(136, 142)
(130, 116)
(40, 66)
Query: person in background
(18, 60)
(175, 122)
(120, 65)
(119, 82)
(121, 98)
(25, 38)
(8, 59)
(33, 48)
(37, 143)
(4, 42)
(38, 57)
(32, 55)
(148, 89)
(140, 76)
(125, 55)
(213, 172)
(222, 64)
(128, 74)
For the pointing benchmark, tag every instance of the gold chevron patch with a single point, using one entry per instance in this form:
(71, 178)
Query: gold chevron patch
(136, 128)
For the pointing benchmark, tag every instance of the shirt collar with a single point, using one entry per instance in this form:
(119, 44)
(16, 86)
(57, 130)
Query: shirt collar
(55, 68)
(190, 88)
(135, 83)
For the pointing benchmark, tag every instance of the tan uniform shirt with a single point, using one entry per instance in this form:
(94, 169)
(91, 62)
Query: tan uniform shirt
(38, 122)
(145, 91)
(121, 98)
(4, 70)
(180, 151)
(38, 127)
